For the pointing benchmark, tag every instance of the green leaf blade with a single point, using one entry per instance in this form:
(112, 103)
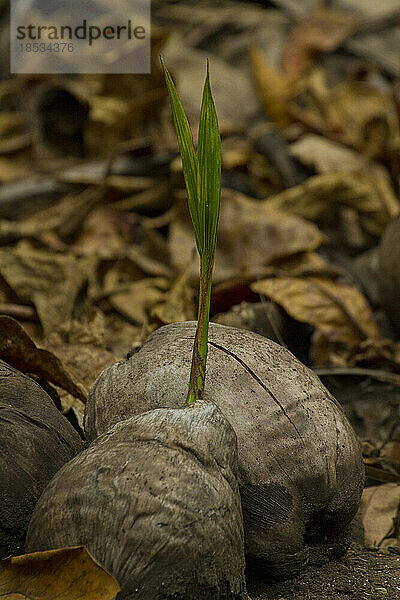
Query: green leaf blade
(209, 164)
(188, 155)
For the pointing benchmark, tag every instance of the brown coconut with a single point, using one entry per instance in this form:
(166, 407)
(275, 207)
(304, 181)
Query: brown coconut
(156, 502)
(300, 467)
(35, 441)
(389, 273)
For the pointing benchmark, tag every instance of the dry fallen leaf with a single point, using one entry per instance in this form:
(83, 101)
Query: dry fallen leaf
(251, 235)
(122, 337)
(12, 169)
(85, 362)
(275, 89)
(49, 281)
(65, 574)
(136, 302)
(354, 113)
(391, 450)
(101, 235)
(326, 156)
(304, 263)
(177, 303)
(317, 199)
(19, 350)
(379, 509)
(338, 311)
(64, 218)
(322, 30)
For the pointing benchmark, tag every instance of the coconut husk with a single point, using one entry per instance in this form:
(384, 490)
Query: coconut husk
(300, 466)
(35, 441)
(156, 502)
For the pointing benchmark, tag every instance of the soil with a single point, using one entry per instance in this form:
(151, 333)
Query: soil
(364, 575)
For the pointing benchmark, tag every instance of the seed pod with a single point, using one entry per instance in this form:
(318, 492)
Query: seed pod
(389, 274)
(300, 465)
(35, 441)
(156, 502)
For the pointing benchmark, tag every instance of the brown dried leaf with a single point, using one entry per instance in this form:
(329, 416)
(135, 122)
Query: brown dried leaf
(19, 350)
(391, 450)
(102, 235)
(177, 304)
(142, 258)
(12, 169)
(339, 311)
(49, 281)
(306, 263)
(353, 113)
(139, 298)
(91, 174)
(368, 118)
(324, 352)
(15, 144)
(326, 156)
(318, 198)
(324, 30)
(121, 336)
(154, 198)
(85, 362)
(275, 89)
(379, 507)
(251, 236)
(380, 353)
(11, 122)
(65, 218)
(65, 574)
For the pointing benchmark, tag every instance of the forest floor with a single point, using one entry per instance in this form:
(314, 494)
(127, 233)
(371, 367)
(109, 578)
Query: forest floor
(364, 575)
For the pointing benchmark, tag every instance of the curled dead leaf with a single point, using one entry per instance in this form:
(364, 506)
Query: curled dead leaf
(338, 311)
(20, 351)
(319, 197)
(65, 574)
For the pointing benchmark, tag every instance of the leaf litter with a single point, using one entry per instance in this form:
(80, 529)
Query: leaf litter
(95, 249)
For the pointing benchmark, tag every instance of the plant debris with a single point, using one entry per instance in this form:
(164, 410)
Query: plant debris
(96, 246)
(68, 574)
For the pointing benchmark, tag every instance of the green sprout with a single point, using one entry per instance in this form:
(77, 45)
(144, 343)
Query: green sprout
(202, 172)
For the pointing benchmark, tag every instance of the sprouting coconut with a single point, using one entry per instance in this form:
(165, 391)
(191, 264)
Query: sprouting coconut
(300, 466)
(35, 441)
(156, 498)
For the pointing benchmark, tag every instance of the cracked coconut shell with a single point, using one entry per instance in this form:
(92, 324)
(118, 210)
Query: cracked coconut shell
(300, 466)
(35, 441)
(156, 502)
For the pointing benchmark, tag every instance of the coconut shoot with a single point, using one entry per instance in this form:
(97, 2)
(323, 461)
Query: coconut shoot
(202, 173)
